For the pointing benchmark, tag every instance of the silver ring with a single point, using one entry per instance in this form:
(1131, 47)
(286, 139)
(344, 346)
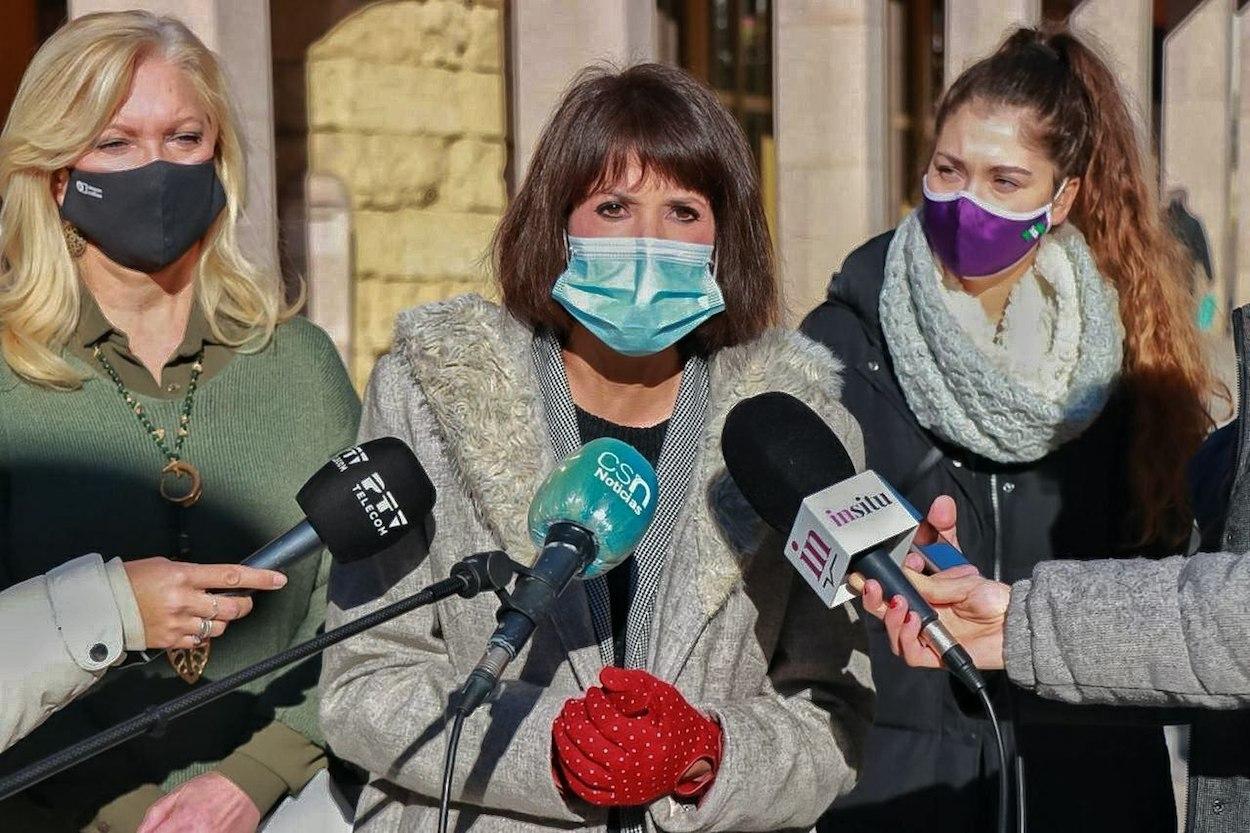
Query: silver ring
(213, 596)
(206, 625)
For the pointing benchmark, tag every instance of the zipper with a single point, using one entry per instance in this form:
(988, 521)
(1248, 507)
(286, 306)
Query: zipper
(998, 528)
(1239, 336)
(1016, 765)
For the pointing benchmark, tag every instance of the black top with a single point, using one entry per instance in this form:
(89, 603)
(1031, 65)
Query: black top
(621, 581)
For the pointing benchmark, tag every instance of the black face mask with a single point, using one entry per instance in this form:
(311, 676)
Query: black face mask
(148, 217)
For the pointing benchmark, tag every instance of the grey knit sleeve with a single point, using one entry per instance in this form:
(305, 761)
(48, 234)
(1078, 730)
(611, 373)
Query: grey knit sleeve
(1167, 632)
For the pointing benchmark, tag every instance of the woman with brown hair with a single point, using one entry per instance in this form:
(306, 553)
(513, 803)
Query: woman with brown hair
(638, 299)
(1021, 342)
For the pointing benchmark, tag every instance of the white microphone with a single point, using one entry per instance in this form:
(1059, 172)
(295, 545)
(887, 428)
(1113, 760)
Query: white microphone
(847, 520)
(797, 475)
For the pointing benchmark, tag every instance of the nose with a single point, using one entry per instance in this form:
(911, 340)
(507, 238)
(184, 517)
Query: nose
(652, 222)
(161, 151)
(154, 149)
(980, 188)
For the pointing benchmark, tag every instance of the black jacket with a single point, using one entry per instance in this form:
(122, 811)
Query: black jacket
(930, 762)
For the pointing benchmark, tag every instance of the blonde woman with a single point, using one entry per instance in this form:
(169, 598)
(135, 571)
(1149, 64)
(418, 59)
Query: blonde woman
(156, 398)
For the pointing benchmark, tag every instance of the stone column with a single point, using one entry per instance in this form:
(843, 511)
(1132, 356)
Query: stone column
(1196, 137)
(551, 40)
(239, 34)
(1241, 186)
(328, 242)
(975, 27)
(830, 98)
(1121, 32)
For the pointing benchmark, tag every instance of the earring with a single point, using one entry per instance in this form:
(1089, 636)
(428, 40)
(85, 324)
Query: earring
(73, 239)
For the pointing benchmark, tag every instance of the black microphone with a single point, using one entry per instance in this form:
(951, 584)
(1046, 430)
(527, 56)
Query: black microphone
(362, 501)
(779, 452)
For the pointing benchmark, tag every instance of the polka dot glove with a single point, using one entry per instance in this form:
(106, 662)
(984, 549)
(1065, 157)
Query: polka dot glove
(630, 741)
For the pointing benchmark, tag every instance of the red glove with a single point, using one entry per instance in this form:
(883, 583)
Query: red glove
(631, 740)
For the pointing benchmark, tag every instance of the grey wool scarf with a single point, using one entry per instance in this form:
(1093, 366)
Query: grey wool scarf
(969, 398)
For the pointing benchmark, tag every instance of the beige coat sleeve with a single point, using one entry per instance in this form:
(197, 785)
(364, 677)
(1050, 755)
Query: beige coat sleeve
(59, 633)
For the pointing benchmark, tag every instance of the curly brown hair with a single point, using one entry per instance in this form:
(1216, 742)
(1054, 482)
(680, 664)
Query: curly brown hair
(1084, 126)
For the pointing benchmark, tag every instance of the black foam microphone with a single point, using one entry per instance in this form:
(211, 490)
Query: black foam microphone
(362, 501)
(779, 452)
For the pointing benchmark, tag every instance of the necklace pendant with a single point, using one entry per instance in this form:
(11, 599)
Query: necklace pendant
(181, 483)
(190, 662)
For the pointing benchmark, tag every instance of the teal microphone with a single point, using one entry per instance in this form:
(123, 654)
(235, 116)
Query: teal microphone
(608, 489)
(587, 517)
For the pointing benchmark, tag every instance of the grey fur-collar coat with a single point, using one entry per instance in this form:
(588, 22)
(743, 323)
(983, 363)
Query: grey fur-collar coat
(737, 630)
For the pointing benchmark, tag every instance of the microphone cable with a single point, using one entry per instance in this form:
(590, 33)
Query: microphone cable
(958, 662)
(449, 767)
(1003, 792)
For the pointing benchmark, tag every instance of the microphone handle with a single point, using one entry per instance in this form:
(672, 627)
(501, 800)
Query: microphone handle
(877, 565)
(296, 544)
(568, 549)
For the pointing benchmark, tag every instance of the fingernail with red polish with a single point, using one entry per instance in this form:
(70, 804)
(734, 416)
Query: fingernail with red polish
(895, 602)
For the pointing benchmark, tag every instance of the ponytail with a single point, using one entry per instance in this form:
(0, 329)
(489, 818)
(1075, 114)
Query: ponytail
(1085, 127)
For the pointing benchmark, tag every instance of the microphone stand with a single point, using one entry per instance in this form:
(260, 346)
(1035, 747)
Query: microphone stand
(485, 571)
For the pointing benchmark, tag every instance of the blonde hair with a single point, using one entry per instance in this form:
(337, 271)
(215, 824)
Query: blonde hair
(70, 92)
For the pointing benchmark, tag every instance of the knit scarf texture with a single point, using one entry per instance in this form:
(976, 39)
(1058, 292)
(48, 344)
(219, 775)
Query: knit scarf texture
(1013, 391)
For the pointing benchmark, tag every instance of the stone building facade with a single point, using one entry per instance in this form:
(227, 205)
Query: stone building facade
(406, 108)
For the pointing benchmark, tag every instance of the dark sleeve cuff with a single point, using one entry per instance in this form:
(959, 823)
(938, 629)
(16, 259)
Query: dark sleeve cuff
(277, 761)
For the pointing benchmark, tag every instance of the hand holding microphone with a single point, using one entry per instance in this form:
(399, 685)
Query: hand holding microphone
(175, 598)
(798, 477)
(363, 500)
(633, 740)
(972, 607)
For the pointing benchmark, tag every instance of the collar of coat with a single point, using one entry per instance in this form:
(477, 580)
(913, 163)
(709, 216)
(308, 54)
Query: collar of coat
(475, 366)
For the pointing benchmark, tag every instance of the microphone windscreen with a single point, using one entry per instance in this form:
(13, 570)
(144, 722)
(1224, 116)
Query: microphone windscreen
(366, 498)
(606, 486)
(778, 451)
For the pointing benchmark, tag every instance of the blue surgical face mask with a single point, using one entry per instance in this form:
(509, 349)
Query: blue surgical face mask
(638, 295)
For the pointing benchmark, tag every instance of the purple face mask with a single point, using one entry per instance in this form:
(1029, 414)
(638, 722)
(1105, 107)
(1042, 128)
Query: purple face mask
(976, 240)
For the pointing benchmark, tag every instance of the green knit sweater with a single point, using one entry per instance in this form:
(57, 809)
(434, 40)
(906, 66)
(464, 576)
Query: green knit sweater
(78, 474)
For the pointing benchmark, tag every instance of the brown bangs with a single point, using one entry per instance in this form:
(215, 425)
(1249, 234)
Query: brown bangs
(676, 131)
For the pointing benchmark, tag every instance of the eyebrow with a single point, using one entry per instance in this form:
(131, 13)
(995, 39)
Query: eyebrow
(997, 169)
(1011, 169)
(687, 201)
(178, 120)
(696, 204)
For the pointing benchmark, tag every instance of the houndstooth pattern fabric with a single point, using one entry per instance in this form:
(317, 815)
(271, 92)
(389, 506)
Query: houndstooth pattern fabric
(676, 465)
